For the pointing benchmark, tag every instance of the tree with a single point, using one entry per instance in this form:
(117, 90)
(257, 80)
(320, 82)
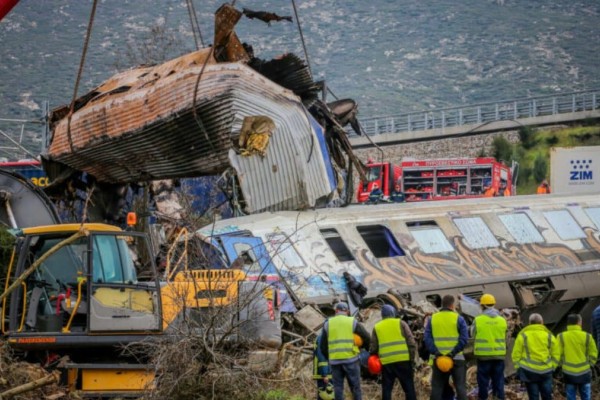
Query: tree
(156, 46)
(502, 149)
(540, 168)
(527, 137)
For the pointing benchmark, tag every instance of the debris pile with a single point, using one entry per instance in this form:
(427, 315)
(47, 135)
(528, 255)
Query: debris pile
(28, 381)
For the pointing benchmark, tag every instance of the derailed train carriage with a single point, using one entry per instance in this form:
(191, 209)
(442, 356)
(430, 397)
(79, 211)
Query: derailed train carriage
(535, 253)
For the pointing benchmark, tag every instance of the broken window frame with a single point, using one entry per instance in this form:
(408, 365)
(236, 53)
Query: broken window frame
(477, 233)
(521, 228)
(380, 240)
(337, 244)
(281, 246)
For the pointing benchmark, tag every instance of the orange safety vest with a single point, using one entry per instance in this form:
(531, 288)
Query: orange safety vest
(489, 192)
(543, 189)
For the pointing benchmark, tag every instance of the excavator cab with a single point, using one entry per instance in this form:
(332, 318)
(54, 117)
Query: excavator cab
(84, 286)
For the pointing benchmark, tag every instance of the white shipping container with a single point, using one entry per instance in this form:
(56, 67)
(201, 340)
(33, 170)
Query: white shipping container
(575, 169)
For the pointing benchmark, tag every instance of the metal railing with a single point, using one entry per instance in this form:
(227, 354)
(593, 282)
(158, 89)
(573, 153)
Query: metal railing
(17, 147)
(483, 113)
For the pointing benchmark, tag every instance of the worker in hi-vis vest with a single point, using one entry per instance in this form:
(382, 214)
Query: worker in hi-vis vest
(536, 354)
(339, 345)
(489, 333)
(395, 345)
(578, 353)
(446, 335)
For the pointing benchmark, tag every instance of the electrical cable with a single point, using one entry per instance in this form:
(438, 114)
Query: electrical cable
(302, 37)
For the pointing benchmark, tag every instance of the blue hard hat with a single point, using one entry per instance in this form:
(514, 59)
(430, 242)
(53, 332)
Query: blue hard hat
(388, 311)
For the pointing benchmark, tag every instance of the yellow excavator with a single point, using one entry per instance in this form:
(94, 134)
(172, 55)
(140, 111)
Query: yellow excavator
(75, 294)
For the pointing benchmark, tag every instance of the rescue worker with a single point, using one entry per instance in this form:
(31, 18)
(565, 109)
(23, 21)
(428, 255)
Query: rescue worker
(544, 187)
(338, 346)
(489, 332)
(489, 191)
(376, 194)
(578, 353)
(395, 345)
(397, 196)
(504, 189)
(321, 372)
(446, 334)
(536, 353)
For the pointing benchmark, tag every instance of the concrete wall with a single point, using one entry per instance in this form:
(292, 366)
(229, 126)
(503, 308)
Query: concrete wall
(456, 147)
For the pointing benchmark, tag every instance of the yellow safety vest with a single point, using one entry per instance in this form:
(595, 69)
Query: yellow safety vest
(576, 357)
(490, 335)
(392, 344)
(444, 329)
(340, 338)
(538, 345)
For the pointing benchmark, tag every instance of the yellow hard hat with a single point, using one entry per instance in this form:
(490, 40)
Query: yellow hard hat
(358, 342)
(487, 300)
(327, 393)
(444, 363)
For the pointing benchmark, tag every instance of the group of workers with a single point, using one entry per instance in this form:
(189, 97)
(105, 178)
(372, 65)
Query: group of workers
(376, 195)
(536, 354)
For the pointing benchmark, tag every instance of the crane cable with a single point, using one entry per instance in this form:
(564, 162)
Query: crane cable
(195, 24)
(195, 98)
(81, 63)
(301, 37)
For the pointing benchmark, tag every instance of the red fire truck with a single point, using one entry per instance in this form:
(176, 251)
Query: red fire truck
(439, 179)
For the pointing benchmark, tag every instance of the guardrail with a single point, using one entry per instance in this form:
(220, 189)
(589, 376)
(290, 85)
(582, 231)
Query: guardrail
(483, 113)
(17, 149)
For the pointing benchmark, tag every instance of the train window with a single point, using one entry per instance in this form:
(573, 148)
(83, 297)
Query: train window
(564, 224)
(380, 241)
(430, 237)
(281, 246)
(476, 233)
(594, 214)
(521, 228)
(337, 245)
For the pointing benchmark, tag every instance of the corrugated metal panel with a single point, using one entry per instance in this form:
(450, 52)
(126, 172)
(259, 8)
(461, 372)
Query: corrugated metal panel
(150, 133)
(292, 175)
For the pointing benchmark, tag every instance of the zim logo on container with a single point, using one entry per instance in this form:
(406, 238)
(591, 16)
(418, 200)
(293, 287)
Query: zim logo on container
(581, 170)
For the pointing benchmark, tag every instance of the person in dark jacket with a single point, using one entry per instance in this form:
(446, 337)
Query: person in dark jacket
(395, 345)
(376, 194)
(397, 196)
(596, 328)
(339, 347)
(446, 333)
(321, 369)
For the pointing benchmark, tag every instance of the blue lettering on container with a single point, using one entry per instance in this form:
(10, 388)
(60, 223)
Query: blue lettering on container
(580, 170)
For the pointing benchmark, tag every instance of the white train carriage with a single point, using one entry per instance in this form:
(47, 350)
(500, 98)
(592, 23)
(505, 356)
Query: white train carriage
(538, 253)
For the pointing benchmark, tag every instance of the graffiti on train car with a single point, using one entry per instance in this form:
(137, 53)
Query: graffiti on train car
(509, 258)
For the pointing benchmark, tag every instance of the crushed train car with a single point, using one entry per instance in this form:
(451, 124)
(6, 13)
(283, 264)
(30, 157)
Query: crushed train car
(205, 113)
(536, 254)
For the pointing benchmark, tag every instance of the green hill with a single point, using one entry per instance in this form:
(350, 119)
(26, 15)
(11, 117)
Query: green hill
(533, 151)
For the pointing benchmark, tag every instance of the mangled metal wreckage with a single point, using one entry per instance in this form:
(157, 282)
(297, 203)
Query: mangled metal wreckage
(207, 113)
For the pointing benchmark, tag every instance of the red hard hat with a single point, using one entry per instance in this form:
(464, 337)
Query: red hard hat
(374, 364)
